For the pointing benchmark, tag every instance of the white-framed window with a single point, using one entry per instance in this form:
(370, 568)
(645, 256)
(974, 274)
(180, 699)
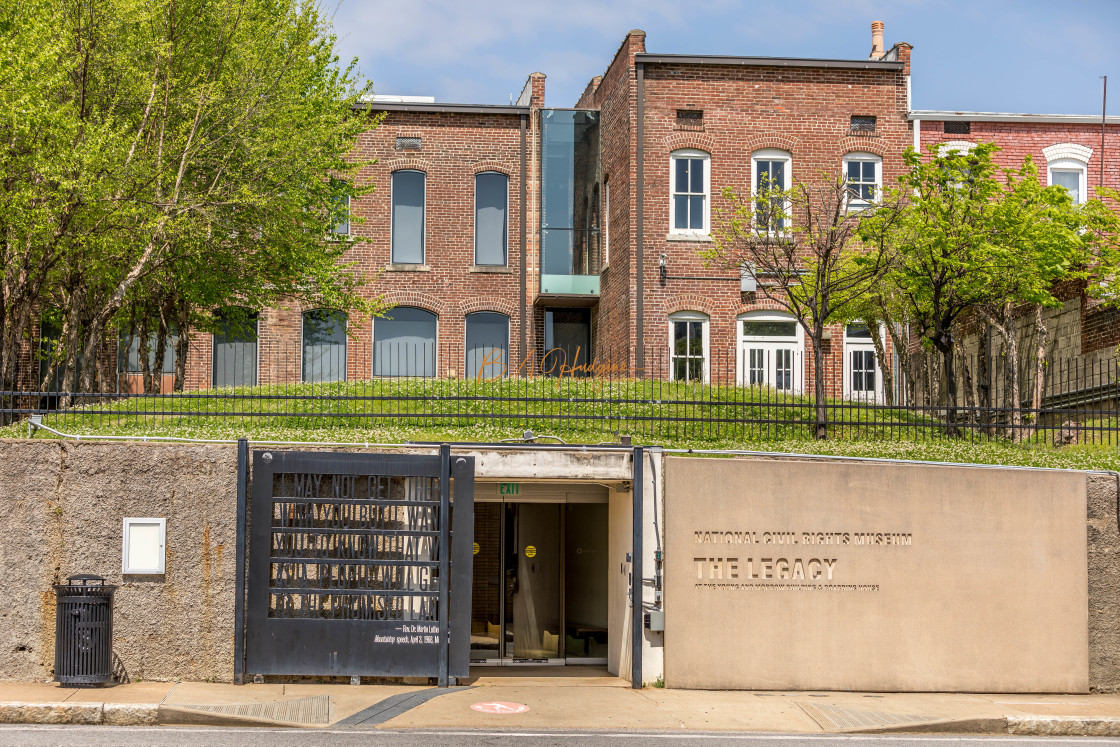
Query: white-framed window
(407, 217)
(340, 211)
(491, 218)
(688, 346)
(771, 351)
(1067, 165)
(690, 180)
(862, 378)
(863, 177)
(144, 544)
(771, 170)
(1071, 174)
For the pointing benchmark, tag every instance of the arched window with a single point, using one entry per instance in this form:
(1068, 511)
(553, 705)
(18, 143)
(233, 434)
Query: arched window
(771, 351)
(1067, 165)
(491, 218)
(487, 345)
(404, 342)
(234, 361)
(324, 345)
(407, 229)
(688, 346)
(690, 177)
(863, 176)
(772, 173)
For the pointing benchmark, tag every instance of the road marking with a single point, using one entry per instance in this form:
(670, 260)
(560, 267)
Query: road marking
(501, 707)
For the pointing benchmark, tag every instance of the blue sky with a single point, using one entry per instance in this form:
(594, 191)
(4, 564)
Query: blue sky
(974, 55)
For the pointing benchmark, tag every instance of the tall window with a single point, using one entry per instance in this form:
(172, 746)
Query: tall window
(404, 343)
(691, 180)
(235, 349)
(132, 361)
(863, 177)
(688, 346)
(771, 175)
(606, 222)
(491, 218)
(408, 217)
(487, 345)
(340, 209)
(1067, 164)
(861, 369)
(324, 345)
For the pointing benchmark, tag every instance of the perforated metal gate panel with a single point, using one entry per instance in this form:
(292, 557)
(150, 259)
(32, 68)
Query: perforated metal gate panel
(360, 564)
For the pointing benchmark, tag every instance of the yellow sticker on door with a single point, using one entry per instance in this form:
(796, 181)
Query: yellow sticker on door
(476, 548)
(530, 551)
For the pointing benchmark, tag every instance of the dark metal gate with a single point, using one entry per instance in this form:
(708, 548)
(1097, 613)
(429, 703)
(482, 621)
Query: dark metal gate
(360, 564)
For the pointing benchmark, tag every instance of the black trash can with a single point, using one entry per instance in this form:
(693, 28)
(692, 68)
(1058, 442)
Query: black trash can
(83, 638)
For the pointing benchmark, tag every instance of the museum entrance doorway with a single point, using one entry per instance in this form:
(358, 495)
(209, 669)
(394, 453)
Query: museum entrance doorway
(540, 576)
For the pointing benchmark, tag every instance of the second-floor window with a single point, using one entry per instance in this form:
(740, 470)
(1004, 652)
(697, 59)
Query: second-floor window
(408, 217)
(690, 186)
(863, 178)
(491, 218)
(771, 176)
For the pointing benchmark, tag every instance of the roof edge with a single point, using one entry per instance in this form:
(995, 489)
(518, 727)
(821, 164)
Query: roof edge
(432, 108)
(961, 116)
(690, 59)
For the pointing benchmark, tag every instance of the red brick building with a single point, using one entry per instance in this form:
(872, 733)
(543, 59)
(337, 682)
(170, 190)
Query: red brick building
(1079, 152)
(525, 238)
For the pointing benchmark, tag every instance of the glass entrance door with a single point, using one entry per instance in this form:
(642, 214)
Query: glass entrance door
(540, 583)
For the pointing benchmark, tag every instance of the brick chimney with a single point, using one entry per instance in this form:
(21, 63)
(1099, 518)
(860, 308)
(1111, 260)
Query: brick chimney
(877, 50)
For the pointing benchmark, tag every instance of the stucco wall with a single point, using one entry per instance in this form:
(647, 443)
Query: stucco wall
(1104, 583)
(62, 506)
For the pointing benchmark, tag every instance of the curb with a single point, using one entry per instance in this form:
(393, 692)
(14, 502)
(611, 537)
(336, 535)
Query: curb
(177, 716)
(111, 714)
(1063, 726)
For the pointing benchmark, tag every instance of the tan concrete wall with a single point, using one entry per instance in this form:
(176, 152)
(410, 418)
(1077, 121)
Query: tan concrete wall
(985, 589)
(62, 506)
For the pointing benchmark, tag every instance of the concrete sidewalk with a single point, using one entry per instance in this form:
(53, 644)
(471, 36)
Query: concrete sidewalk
(571, 698)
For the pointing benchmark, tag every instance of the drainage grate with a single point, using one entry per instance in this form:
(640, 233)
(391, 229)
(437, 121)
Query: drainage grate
(314, 709)
(838, 718)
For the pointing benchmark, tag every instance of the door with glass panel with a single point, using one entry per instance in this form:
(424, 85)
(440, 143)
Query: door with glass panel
(770, 354)
(540, 583)
(861, 369)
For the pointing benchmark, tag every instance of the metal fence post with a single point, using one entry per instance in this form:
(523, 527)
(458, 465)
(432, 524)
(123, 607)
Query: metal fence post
(637, 584)
(239, 577)
(444, 559)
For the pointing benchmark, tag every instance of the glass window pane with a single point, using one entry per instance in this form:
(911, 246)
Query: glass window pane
(404, 343)
(695, 338)
(680, 211)
(324, 346)
(696, 175)
(235, 350)
(762, 175)
(681, 181)
(408, 217)
(858, 330)
(869, 171)
(490, 218)
(133, 360)
(696, 212)
(777, 174)
(770, 329)
(487, 345)
(1071, 180)
(853, 171)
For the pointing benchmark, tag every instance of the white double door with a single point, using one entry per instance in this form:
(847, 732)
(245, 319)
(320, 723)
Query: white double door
(779, 365)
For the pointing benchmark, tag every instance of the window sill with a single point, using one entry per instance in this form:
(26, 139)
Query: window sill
(407, 268)
(698, 237)
(492, 269)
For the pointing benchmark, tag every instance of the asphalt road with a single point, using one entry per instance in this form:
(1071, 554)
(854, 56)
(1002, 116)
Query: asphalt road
(98, 736)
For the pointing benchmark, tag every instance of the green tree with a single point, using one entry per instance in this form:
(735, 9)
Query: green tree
(804, 249)
(196, 154)
(970, 238)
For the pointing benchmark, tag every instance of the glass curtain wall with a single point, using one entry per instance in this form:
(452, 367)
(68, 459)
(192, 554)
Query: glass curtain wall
(570, 172)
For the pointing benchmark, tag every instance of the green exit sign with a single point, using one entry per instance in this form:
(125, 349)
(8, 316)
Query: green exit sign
(509, 488)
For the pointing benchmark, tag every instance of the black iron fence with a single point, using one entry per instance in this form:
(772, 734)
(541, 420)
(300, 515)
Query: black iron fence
(762, 391)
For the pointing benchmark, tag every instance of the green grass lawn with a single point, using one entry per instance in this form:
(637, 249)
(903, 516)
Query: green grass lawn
(669, 414)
